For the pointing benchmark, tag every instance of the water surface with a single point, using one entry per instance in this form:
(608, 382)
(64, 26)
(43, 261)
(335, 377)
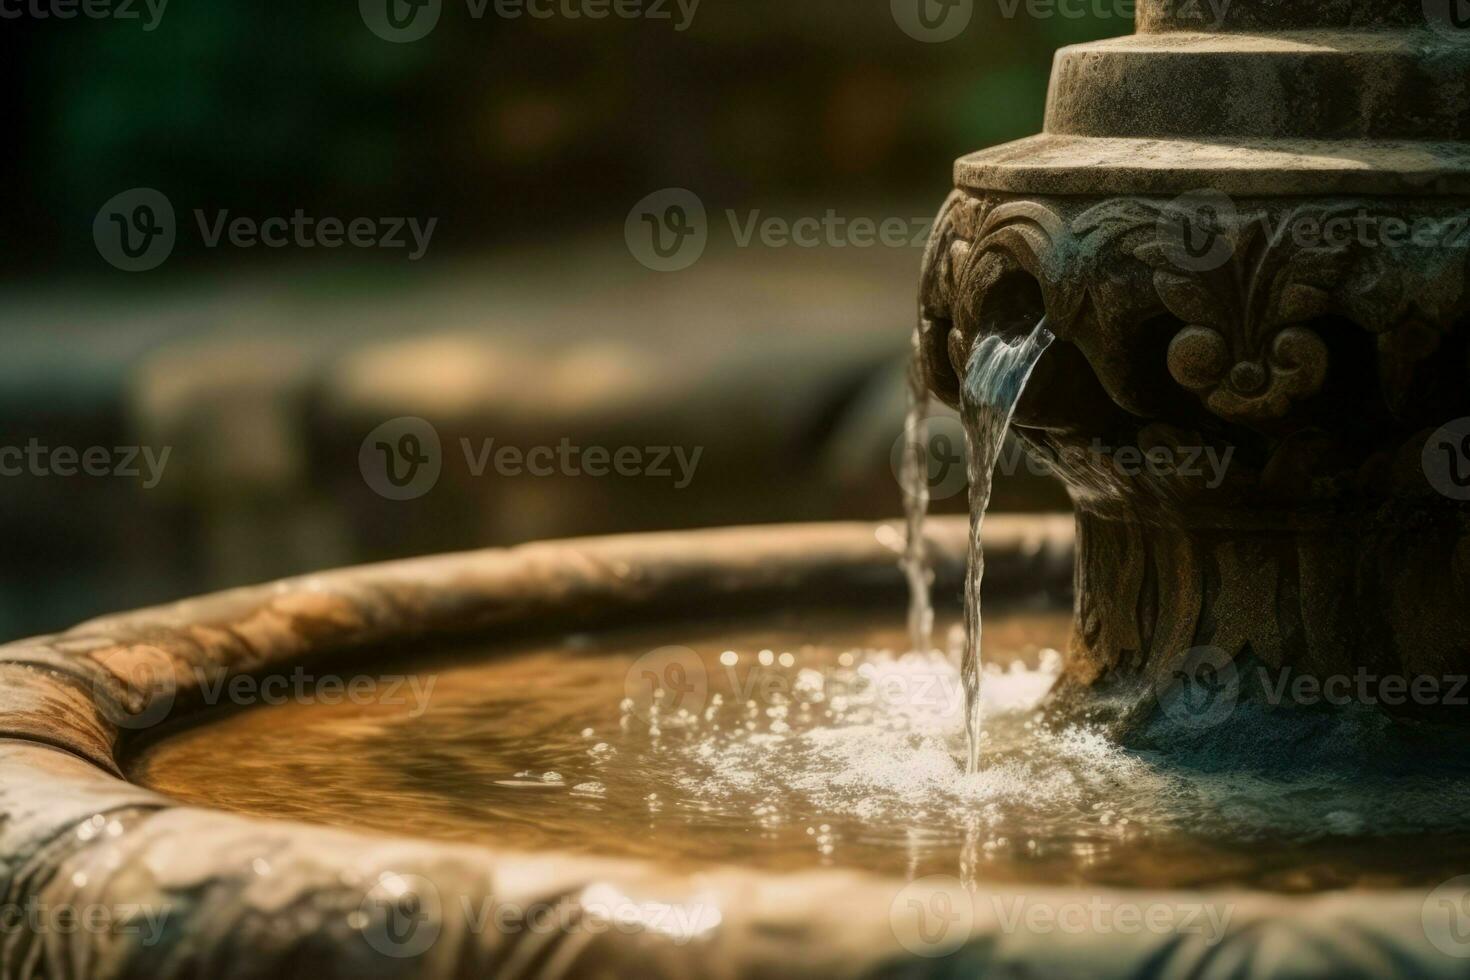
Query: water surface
(795, 743)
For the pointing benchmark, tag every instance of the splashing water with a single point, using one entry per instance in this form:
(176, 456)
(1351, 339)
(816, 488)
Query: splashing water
(821, 743)
(914, 479)
(995, 377)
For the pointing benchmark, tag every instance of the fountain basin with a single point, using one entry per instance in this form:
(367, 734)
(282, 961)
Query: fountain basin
(278, 898)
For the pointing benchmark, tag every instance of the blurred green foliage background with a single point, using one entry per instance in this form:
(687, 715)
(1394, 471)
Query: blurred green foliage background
(514, 128)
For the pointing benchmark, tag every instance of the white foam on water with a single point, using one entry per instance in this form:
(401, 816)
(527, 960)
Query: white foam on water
(879, 742)
(882, 739)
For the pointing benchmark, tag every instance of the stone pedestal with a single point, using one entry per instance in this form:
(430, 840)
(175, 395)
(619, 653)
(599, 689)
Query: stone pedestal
(1250, 230)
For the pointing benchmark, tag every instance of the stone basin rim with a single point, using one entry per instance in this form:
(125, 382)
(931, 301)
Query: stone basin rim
(72, 831)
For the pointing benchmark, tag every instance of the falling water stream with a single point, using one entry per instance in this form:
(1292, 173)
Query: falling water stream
(994, 379)
(914, 480)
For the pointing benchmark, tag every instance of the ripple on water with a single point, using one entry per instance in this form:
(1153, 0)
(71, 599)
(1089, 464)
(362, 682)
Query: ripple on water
(789, 747)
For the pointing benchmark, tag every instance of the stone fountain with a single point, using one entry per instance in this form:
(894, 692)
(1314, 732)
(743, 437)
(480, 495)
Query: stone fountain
(1248, 227)
(1181, 223)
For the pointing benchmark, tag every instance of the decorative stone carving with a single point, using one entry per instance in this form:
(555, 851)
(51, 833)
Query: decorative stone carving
(1260, 332)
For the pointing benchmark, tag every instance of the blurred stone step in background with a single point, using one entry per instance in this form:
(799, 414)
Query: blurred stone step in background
(783, 369)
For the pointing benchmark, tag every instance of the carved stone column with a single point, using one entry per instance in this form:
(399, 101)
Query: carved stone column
(1249, 225)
